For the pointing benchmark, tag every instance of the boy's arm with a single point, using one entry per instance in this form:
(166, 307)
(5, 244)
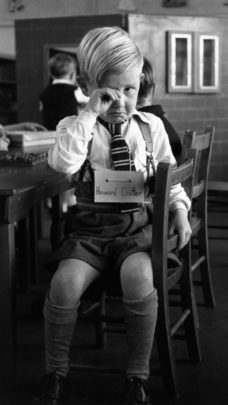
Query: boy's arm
(74, 133)
(71, 147)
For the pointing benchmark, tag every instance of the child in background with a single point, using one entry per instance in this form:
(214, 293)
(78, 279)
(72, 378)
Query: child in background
(104, 238)
(63, 96)
(145, 103)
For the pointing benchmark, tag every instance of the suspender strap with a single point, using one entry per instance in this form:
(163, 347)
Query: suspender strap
(146, 132)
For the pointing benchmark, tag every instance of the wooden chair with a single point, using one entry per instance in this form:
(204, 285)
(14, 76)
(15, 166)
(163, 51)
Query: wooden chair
(165, 278)
(198, 248)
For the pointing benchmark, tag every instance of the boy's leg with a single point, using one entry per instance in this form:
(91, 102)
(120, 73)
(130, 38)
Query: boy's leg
(59, 327)
(140, 304)
(60, 313)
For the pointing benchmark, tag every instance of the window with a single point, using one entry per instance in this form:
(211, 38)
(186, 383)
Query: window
(193, 63)
(179, 62)
(208, 63)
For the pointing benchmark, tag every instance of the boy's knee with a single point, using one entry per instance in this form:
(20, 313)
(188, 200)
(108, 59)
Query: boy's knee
(137, 281)
(64, 287)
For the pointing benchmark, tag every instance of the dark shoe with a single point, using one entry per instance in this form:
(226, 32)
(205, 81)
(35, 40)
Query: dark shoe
(54, 390)
(137, 392)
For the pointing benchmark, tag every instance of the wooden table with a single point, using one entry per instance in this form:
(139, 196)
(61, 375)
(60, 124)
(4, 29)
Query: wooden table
(21, 189)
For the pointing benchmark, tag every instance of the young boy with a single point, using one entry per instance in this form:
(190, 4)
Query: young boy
(145, 103)
(107, 237)
(62, 97)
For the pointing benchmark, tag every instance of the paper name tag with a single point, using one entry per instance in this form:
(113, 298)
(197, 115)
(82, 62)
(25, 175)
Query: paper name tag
(118, 186)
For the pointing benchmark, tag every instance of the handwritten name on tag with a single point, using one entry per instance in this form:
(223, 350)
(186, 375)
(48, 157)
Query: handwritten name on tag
(118, 186)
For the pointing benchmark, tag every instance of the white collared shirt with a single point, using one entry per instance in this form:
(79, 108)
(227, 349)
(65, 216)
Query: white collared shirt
(74, 135)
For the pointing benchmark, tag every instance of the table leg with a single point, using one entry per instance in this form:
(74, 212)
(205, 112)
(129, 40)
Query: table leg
(23, 242)
(57, 226)
(7, 306)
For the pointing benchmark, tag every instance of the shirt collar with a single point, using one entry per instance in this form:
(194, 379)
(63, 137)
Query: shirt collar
(137, 113)
(65, 81)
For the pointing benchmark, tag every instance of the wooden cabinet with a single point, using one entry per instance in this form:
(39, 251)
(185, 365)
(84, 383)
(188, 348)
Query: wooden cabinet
(8, 90)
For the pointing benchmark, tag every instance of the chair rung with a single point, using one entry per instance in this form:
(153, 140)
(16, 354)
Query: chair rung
(91, 308)
(97, 369)
(175, 277)
(180, 321)
(197, 263)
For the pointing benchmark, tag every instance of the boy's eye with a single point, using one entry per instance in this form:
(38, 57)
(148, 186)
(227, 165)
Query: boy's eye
(129, 90)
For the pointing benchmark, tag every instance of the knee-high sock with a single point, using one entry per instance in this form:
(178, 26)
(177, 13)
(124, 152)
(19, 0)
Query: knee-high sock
(59, 328)
(141, 317)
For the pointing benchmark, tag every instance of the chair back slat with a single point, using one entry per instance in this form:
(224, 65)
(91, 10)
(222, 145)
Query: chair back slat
(163, 243)
(202, 143)
(199, 145)
(198, 189)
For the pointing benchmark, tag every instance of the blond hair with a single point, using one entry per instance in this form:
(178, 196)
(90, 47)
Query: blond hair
(107, 50)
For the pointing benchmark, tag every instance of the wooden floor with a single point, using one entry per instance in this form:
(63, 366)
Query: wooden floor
(200, 384)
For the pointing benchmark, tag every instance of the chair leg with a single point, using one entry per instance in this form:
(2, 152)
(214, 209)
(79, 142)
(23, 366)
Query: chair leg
(189, 306)
(165, 350)
(101, 337)
(205, 269)
(187, 260)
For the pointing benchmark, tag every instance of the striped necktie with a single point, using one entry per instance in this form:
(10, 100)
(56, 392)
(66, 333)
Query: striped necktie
(120, 153)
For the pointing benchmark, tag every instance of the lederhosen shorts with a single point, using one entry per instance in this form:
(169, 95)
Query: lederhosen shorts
(105, 240)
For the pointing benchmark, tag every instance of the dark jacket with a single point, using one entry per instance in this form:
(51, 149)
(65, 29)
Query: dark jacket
(58, 102)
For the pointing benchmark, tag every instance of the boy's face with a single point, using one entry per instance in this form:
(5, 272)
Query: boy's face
(127, 84)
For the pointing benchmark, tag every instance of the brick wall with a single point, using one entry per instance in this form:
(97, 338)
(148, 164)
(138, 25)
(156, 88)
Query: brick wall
(188, 111)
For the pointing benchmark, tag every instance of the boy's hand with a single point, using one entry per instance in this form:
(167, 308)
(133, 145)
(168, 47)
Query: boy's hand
(180, 223)
(100, 100)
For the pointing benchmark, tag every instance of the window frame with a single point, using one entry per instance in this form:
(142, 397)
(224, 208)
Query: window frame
(199, 65)
(172, 63)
